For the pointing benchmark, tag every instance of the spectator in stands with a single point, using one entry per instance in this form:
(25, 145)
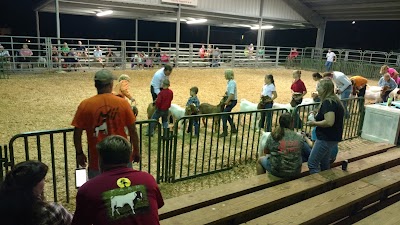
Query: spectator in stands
(100, 116)
(81, 50)
(65, 49)
(98, 56)
(121, 89)
(25, 56)
(283, 148)
(293, 54)
(250, 48)
(157, 53)
(202, 51)
(158, 78)
(54, 55)
(393, 73)
(209, 52)
(230, 103)
(110, 57)
(23, 201)
(194, 100)
(102, 200)
(164, 58)
(388, 84)
(316, 77)
(359, 85)
(329, 127)
(4, 54)
(298, 89)
(343, 86)
(330, 59)
(216, 56)
(163, 102)
(261, 52)
(309, 143)
(268, 95)
(72, 59)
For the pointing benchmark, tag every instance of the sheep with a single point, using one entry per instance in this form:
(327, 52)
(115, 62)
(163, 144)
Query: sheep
(246, 106)
(151, 108)
(395, 94)
(263, 141)
(206, 108)
(177, 113)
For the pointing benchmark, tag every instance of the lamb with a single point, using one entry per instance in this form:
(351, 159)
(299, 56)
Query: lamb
(246, 106)
(177, 113)
(395, 94)
(263, 141)
(151, 108)
(206, 108)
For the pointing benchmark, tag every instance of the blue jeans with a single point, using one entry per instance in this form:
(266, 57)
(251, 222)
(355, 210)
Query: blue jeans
(269, 117)
(266, 164)
(319, 159)
(328, 66)
(225, 118)
(157, 114)
(343, 95)
(305, 151)
(194, 123)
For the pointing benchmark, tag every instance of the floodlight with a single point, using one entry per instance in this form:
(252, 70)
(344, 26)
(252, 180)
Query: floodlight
(262, 27)
(104, 13)
(196, 21)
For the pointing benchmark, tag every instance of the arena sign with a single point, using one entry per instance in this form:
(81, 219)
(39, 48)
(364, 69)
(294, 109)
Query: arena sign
(182, 2)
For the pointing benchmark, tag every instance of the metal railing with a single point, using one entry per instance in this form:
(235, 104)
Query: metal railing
(140, 54)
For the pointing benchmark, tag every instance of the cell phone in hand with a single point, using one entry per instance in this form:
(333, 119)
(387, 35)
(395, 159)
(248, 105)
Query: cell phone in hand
(80, 177)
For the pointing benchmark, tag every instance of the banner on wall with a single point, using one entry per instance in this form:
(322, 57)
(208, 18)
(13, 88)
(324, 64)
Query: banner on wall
(182, 2)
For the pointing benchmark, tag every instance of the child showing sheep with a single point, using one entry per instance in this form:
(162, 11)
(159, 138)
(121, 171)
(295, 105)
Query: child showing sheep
(231, 93)
(193, 100)
(268, 95)
(163, 102)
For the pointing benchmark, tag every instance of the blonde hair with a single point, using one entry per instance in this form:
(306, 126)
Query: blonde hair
(328, 91)
(124, 77)
(384, 69)
(297, 72)
(229, 74)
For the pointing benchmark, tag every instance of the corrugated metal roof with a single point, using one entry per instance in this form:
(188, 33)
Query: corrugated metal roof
(336, 10)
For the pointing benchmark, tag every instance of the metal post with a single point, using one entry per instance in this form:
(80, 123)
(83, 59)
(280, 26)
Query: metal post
(319, 43)
(38, 30)
(178, 34)
(262, 38)
(58, 33)
(123, 54)
(277, 56)
(136, 34)
(208, 34)
(259, 34)
(191, 54)
(233, 55)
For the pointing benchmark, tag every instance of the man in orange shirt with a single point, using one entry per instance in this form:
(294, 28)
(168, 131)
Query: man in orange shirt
(122, 88)
(100, 116)
(359, 85)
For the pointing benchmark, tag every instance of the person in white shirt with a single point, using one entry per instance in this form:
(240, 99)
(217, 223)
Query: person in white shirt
(343, 86)
(158, 78)
(268, 95)
(330, 58)
(98, 55)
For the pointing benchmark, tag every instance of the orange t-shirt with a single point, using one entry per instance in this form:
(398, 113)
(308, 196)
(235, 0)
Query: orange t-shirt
(100, 116)
(122, 89)
(359, 81)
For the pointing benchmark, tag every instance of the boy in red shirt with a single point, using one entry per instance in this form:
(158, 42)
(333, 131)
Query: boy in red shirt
(163, 102)
(298, 89)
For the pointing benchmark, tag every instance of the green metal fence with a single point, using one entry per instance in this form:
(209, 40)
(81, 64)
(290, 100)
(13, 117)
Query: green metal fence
(352, 125)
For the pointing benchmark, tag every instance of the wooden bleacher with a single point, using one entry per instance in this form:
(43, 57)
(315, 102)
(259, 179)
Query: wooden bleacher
(387, 216)
(248, 199)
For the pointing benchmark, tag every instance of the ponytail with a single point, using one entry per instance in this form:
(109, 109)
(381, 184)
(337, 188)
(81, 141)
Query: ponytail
(271, 78)
(285, 121)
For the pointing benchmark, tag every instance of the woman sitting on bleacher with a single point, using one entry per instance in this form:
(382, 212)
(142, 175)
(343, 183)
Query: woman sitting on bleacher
(283, 149)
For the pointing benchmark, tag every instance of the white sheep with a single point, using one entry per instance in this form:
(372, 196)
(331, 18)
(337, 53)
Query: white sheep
(247, 106)
(373, 93)
(395, 94)
(177, 112)
(262, 143)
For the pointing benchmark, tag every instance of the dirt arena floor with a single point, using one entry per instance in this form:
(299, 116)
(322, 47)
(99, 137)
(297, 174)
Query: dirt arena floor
(49, 101)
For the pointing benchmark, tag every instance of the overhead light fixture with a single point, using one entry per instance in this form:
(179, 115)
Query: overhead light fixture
(104, 13)
(244, 25)
(196, 21)
(262, 27)
(354, 22)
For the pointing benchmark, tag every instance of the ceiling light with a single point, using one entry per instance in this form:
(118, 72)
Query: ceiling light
(104, 13)
(244, 25)
(196, 21)
(353, 22)
(262, 27)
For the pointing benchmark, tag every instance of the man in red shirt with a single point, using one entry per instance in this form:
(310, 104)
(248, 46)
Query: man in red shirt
(100, 116)
(163, 102)
(119, 195)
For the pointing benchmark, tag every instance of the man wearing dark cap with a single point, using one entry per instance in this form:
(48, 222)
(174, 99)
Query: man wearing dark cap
(100, 116)
(119, 195)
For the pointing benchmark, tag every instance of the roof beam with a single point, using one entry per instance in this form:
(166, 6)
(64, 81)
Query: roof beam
(308, 14)
(41, 5)
(394, 4)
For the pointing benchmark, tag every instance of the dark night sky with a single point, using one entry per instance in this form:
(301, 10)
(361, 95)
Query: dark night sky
(371, 35)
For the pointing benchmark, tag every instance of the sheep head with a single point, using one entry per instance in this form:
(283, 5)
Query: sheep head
(191, 109)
